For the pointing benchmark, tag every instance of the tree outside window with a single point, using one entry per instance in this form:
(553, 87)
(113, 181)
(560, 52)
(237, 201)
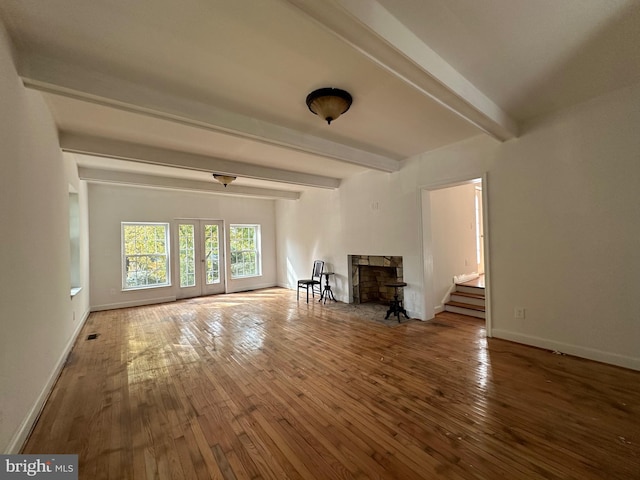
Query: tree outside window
(245, 250)
(145, 255)
(187, 251)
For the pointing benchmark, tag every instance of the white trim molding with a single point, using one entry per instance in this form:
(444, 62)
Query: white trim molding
(569, 349)
(132, 303)
(22, 433)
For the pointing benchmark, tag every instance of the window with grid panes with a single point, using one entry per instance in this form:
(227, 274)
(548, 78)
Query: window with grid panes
(245, 250)
(145, 255)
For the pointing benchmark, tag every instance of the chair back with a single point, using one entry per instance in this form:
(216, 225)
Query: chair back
(318, 267)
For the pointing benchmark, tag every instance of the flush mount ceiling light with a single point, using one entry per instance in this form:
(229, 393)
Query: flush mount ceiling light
(224, 179)
(329, 103)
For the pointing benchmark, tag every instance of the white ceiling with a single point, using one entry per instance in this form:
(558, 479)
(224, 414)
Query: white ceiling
(178, 90)
(532, 57)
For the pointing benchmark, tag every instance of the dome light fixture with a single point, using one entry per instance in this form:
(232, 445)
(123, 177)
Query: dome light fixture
(224, 179)
(329, 103)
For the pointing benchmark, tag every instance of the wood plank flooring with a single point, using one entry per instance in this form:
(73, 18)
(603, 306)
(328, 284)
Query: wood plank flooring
(256, 385)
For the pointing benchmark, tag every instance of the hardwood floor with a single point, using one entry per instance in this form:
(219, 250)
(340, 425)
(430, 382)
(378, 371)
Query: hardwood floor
(257, 385)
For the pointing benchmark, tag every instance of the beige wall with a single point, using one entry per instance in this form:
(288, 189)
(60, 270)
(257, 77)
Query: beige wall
(38, 318)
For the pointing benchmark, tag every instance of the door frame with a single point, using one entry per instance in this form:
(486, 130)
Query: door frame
(480, 226)
(427, 251)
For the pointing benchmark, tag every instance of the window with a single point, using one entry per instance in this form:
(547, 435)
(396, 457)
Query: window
(245, 250)
(145, 255)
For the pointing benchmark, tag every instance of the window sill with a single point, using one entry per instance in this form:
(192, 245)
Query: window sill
(75, 291)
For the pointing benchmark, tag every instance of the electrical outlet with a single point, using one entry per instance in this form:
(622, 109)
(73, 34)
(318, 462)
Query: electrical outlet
(519, 313)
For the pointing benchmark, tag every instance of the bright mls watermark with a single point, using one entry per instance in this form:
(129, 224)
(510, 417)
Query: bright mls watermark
(51, 467)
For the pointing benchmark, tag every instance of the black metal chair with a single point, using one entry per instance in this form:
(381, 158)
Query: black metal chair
(315, 280)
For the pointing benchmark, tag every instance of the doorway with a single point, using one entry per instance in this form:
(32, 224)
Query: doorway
(201, 264)
(454, 220)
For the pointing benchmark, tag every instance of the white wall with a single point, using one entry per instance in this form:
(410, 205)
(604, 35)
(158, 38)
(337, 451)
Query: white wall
(563, 227)
(564, 230)
(309, 229)
(453, 236)
(358, 218)
(109, 205)
(371, 214)
(38, 318)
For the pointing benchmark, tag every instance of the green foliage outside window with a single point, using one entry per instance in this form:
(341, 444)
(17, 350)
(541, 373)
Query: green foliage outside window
(187, 255)
(245, 250)
(146, 256)
(212, 254)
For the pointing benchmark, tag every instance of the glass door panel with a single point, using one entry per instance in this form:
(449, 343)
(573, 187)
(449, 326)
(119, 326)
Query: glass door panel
(213, 274)
(186, 242)
(212, 254)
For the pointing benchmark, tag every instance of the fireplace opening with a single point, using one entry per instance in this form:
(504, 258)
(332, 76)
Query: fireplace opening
(369, 276)
(372, 284)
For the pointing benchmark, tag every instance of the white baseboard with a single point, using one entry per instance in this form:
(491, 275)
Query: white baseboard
(21, 435)
(575, 350)
(132, 303)
(248, 288)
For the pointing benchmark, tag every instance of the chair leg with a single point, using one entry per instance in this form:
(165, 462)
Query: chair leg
(298, 292)
(307, 293)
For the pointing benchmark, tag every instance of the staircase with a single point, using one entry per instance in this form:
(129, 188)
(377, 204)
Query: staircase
(466, 300)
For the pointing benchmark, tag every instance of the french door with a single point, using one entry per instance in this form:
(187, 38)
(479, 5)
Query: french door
(200, 257)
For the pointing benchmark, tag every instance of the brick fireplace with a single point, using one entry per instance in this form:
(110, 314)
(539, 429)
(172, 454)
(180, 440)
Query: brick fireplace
(369, 273)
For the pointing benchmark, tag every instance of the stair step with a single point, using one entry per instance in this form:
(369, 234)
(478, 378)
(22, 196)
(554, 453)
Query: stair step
(467, 298)
(470, 289)
(465, 311)
(469, 306)
(479, 296)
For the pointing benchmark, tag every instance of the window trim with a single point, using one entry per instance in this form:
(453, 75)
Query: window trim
(167, 256)
(257, 251)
